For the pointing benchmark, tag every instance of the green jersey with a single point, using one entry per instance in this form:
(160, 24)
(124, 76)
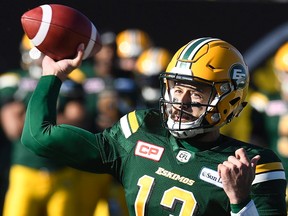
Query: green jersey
(161, 175)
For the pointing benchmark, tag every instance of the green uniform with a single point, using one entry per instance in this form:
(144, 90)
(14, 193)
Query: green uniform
(36, 184)
(20, 154)
(270, 126)
(161, 175)
(5, 159)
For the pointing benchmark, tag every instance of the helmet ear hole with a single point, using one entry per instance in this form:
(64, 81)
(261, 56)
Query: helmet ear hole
(234, 101)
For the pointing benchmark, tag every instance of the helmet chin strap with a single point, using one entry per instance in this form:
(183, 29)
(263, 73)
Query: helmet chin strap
(181, 130)
(187, 133)
(188, 129)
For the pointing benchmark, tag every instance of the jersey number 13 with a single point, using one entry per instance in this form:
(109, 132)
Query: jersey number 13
(170, 198)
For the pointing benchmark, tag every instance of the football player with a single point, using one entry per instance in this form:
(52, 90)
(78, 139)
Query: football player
(171, 161)
(149, 65)
(37, 185)
(270, 111)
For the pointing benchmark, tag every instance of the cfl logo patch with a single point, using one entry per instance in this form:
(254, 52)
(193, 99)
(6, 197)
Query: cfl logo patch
(183, 156)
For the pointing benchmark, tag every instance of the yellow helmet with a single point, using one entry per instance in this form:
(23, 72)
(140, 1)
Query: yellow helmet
(26, 43)
(281, 58)
(131, 43)
(153, 61)
(281, 69)
(149, 65)
(212, 62)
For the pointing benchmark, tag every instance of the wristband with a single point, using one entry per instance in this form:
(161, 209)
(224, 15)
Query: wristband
(237, 207)
(248, 210)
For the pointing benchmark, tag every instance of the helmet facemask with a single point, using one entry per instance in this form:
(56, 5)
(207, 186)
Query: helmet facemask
(187, 119)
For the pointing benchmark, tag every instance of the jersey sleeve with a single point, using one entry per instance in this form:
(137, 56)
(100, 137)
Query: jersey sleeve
(70, 145)
(269, 185)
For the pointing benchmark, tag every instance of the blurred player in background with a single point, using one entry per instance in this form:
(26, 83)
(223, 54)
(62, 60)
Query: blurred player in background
(98, 195)
(37, 185)
(270, 108)
(9, 82)
(149, 65)
(130, 44)
(104, 108)
(171, 161)
(100, 72)
(93, 190)
(104, 71)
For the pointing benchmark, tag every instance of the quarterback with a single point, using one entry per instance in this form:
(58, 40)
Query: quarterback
(171, 161)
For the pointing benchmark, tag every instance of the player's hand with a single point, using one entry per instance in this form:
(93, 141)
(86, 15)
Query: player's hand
(62, 68)
(237, 174)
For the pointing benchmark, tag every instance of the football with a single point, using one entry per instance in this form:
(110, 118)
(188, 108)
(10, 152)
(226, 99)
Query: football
(57, 30)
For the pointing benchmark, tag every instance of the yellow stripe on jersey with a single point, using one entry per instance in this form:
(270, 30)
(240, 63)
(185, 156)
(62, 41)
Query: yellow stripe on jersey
(268, 172)
(129, 124)
(133, 121)
(268, 167)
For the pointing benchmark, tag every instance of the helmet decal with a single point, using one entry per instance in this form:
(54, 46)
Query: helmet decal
(238, 75)
(191, 49)
(188, 54)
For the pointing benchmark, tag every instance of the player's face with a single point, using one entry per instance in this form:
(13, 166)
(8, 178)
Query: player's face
(184, 95)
